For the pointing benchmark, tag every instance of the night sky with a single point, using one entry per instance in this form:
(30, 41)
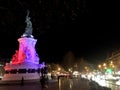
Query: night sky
(89, 29)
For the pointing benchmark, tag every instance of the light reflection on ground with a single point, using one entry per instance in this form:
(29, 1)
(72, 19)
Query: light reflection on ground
(62, 84)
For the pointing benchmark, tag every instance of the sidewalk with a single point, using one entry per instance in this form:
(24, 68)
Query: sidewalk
(25, 82)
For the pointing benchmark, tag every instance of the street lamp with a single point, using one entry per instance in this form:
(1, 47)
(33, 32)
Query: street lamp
(59, 69)
(99, 66)
(104, 64)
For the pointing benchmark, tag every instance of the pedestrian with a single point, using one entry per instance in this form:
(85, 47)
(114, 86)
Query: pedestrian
(22, 81)
(43, 83)
(58, 78)
(46, 80)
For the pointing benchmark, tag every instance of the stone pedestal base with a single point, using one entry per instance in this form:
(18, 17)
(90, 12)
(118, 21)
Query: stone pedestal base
(27, 70)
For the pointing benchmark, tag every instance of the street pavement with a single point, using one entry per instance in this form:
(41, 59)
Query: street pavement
(62, 84)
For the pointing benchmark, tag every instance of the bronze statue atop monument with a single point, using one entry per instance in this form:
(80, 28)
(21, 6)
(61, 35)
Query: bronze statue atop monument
(28, 29)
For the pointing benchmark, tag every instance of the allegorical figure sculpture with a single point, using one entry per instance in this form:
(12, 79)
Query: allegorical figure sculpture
(28, 29)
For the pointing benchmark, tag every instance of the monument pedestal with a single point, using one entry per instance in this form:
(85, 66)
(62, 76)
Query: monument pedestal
(25, 62)
(27, 70)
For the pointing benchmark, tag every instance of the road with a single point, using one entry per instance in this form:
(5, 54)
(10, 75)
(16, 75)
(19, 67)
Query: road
(112, 85)
(73, 84)
(62, 84)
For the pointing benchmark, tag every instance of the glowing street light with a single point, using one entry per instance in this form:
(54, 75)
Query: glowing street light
(111, 62)
(99, 66)
(104, 64)
(113, 66)
(59, 69)
(70, 70)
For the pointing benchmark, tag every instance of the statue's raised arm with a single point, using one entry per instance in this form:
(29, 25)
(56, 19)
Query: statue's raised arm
(29, 24)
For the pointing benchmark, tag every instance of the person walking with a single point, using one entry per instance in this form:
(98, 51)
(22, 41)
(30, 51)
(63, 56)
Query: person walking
(22, 81)
(43, 83)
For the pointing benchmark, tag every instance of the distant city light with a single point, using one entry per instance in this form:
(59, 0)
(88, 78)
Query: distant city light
(109, 71)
